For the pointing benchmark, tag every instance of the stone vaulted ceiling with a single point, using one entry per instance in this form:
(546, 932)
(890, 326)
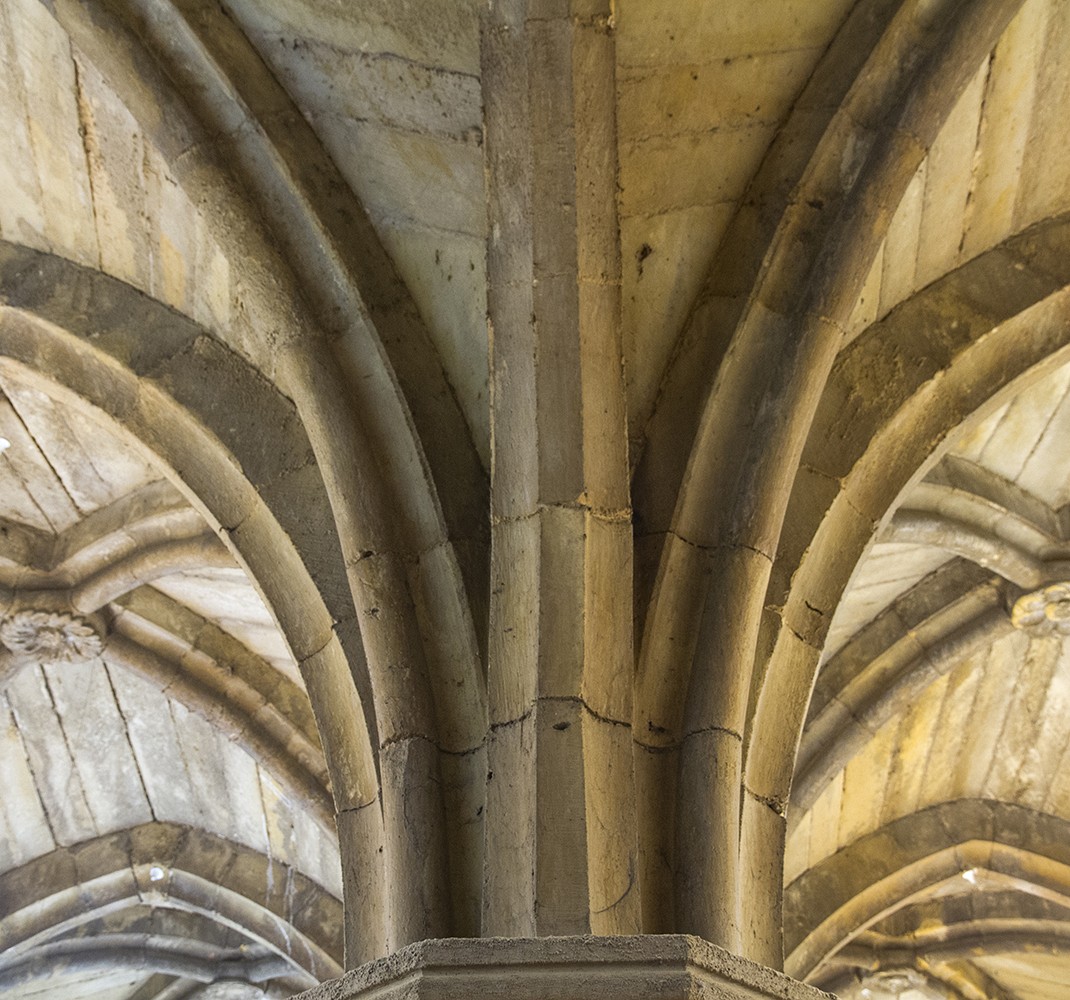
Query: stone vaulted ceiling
(662, 407)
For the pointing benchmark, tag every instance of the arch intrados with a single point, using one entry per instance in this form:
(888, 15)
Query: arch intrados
(895, 439)
(992, 937)
(905, 860)
(92, 957)
(120, 374)
(53, 911)
(919, 881)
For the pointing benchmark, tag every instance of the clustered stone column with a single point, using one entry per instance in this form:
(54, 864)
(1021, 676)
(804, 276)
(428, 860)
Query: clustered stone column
(560, 828)
(561, 850)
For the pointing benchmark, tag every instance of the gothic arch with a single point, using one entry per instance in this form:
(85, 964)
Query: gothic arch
(153, 387)
(907, 859)
(296, 924)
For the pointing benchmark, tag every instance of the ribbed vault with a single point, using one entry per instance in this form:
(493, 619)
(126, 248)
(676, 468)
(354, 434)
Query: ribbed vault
(533, 468)
(159, 752)
(933, 757)
(927, 813)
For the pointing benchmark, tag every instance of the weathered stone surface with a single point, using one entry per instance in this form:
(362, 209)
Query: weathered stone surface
(534, 467)
(566, 968)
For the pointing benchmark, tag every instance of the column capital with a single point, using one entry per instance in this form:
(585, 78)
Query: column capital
(641, 967)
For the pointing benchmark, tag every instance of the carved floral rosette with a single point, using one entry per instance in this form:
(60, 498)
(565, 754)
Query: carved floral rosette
(50, 636)
(1045, 611)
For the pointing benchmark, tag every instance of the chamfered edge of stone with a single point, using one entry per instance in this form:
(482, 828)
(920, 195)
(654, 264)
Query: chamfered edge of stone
(695, 963)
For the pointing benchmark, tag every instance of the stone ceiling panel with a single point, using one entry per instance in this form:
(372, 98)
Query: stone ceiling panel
(401, 117)
(1037, 976)
(701, 92)
(277, 127)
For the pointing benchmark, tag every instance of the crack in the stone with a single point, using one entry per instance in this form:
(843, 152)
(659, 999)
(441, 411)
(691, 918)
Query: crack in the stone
(575, 700)
(678, 743)
(506, 723)
(609, 515)
(316, 652)
(358, 808)
(126, 726)
(84, 130)
(413, 737)
(364, 56)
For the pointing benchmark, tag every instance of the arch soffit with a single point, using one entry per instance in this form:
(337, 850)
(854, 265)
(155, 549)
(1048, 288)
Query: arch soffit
(164, 864)
(201, 410)
(956, 349)
(903, 861)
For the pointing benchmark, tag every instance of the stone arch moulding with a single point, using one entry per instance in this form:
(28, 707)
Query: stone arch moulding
(925, 952)
(165, 864)
(81, 594)
(908, 857)
(956, 349)
(716, 562)
(99, 343)
(336, 332)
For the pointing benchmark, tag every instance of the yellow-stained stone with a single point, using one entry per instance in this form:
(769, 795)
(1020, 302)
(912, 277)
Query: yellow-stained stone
(544, 469)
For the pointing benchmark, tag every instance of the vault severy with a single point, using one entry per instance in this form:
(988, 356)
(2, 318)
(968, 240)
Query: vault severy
(949, 688)
(267, 239)
(124, 705)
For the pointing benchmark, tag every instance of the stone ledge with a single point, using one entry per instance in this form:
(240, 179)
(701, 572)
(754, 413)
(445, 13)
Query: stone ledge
(651, 967)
